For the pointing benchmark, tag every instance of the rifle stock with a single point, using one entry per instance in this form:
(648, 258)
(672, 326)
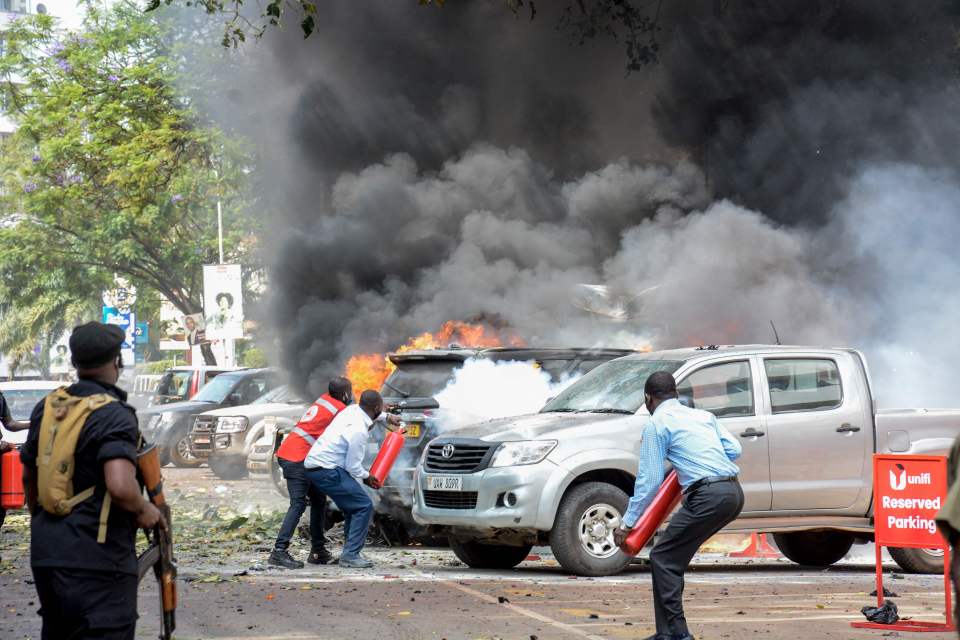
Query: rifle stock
(160, 553)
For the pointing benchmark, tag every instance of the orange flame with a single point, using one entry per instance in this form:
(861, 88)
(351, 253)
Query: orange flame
(369, 370)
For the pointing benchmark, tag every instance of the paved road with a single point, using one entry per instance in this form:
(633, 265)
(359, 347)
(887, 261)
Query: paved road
(423, 593)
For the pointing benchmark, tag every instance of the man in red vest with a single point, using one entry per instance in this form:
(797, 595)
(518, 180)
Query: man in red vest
(290, 457)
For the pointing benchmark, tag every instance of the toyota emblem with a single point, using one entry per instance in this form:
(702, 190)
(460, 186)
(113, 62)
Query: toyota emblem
(447, 451)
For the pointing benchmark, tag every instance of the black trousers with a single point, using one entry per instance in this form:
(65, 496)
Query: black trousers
(300, 488)
(703, 513)
(78, 604)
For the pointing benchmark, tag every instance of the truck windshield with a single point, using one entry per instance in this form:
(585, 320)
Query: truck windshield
(419, 378)
(22, 401)
(216, 390)
(614, 387)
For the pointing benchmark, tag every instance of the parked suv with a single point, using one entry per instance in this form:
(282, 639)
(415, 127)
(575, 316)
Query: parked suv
(224, 437)
(804, 416)
(168, 425)
(420, 375)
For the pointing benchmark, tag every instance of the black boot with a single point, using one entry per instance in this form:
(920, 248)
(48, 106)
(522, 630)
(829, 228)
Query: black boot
(319, 555)
(282, 558)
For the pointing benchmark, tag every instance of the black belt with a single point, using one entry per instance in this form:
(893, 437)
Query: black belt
(702, 482)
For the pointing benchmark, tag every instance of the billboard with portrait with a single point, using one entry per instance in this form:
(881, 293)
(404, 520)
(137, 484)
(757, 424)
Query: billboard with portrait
(223, 301)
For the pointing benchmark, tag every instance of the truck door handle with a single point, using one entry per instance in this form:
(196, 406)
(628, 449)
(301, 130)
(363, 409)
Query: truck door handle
(846, 427)
(752, 433)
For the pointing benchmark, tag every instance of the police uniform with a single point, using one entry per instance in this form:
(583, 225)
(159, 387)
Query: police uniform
(88, 589)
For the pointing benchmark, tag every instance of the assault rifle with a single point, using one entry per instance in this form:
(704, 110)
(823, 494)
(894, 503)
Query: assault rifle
(159, 555)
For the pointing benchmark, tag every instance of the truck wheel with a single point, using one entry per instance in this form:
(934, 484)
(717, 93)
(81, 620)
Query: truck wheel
(814, 548)
(582, 534)
(227, 470)
(179, 449)
(918, 560)
(489, 556)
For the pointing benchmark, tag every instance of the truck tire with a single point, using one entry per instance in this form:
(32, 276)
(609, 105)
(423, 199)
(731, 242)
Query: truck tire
(179, 449)
(489, 556)
(582, 534)
(918, 560)
(814, 548)
(227, 470)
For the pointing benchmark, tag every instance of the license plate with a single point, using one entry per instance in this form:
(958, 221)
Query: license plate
(444, 483)
(413, 430)
(201, 439)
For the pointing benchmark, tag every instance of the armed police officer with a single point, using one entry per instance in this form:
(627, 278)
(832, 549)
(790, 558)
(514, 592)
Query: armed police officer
(84, 517)
(702, 451)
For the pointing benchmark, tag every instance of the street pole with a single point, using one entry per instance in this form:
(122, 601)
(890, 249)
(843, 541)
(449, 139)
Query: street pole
(220, 229)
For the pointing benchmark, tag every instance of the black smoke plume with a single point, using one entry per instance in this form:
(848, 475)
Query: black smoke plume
(429, 164)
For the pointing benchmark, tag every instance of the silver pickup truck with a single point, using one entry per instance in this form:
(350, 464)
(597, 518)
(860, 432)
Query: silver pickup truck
(806, 418)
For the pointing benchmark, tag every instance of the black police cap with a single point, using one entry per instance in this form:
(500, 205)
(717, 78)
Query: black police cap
(95, 344)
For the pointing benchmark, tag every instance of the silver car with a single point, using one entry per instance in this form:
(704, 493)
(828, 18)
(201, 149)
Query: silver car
(804, 416)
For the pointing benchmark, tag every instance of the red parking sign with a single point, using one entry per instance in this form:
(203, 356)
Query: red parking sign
(908, 493)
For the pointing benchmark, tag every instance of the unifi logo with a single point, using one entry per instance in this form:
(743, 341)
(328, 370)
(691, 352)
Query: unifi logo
(898, 482)
(899, 479)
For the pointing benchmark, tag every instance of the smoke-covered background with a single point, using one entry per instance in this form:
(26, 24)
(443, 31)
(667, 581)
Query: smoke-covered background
(791, 161)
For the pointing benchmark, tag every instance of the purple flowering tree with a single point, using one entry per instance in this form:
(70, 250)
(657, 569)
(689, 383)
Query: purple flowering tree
(110, 170)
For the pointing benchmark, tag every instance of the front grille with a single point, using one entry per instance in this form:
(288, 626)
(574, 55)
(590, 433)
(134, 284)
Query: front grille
(450, 499)
(468, 456)
(204, 424)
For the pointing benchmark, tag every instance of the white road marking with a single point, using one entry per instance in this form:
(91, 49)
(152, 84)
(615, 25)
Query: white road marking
(539, 617)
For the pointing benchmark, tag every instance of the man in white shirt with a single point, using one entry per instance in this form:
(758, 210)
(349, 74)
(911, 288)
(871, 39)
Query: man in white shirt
(334, 466)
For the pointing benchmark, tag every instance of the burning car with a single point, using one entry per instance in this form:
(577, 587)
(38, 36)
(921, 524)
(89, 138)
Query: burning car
(420, 375)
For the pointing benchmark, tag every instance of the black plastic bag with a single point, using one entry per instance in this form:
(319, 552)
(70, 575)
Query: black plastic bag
(886, 614)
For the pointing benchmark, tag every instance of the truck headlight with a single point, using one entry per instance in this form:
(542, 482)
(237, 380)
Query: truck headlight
(232, 424)
(510, 454)
(167, 417)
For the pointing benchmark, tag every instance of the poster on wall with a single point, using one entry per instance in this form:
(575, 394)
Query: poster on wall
(173, 335)
(223, 301)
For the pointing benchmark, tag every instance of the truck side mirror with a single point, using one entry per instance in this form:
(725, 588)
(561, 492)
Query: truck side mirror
(233, 399)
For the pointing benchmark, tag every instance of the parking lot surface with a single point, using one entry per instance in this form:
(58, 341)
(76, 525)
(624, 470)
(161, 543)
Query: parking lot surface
(227, 591)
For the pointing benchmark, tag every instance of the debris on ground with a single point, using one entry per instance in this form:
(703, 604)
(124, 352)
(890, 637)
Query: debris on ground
(884, 614)
(886, 593)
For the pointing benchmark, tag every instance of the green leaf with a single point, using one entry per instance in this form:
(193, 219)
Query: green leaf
(307, 25)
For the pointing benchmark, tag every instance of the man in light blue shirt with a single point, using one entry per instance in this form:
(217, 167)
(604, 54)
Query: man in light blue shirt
(334, 466)
(702, 451)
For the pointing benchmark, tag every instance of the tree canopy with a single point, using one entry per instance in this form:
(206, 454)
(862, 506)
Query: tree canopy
(111, 170)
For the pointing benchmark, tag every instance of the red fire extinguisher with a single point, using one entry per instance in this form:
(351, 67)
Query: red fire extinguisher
(389, 451)
(11, 480)
(663, 503)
